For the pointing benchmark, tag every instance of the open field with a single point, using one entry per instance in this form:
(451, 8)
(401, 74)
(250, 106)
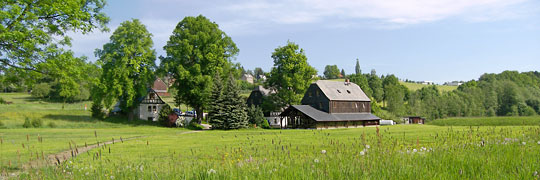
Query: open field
(489, 121)
(416, 86)
(386, 152)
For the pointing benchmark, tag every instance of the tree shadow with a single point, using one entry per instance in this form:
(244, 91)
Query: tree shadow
(118, 119)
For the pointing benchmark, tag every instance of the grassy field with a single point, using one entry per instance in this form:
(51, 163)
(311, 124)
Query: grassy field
(489, 121)
(386, 152)
(416, 86)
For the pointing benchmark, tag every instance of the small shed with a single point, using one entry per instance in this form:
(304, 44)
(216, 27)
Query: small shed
(414, 120)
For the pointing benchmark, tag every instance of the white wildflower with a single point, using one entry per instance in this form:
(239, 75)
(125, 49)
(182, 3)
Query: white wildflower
(362, 153)
(538, 142)
(112, 177)
(323, 151)
(535, 173)
(414, 150)
(524, 143)
(86, 174)
(316, 160)
(211, 171)
(367, 146)
(141, 167)
(70, 162)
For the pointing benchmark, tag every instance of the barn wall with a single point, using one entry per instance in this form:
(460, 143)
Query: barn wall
(316, 98)
(255, 98)
(350, 106)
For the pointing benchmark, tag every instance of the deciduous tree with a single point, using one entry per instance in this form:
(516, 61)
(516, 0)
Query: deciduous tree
(196, 50)
(128, 62)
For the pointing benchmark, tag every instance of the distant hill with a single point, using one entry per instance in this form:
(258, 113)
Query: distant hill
(416, 86)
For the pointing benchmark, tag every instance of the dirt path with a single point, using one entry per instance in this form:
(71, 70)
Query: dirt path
(58, 158)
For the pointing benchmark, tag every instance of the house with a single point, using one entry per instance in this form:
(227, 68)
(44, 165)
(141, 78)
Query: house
(149, 106)
(261, 77)
(248, 78)
(454, 83)
(330, 104)
(413, 120)
(427, 82)
(257, 96)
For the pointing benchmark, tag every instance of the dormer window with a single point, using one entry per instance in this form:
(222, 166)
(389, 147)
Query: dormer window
(348, 91)
(338, 91)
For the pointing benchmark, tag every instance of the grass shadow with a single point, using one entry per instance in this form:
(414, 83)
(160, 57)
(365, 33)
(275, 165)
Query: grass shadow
(119, 119)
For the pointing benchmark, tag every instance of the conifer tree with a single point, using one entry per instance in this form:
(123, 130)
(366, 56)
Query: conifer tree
(234, 108)
(215, 112)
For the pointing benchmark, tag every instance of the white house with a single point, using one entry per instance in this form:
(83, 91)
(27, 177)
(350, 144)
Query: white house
(248, 78)
(454, 83)
(149, 106)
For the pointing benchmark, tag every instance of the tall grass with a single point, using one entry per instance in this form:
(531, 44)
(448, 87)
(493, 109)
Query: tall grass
(489, 121)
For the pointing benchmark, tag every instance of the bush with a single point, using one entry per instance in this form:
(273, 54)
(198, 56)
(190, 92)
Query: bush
(41, 90)
(255, 116)
(27, 123)
(265, 124)
(2, 125)
(2, 101)
(37, 123)
(52, 124)
(97, 111)
(194, 126)
(164, 116)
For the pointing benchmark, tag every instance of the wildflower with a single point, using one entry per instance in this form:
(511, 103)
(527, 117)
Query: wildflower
(141, 167)
(362, 153)
(367, 146)
(70, 162)
(316, 160)
(538, 142)
(535, 173)
(524, 143)
(414, 150)
(211, 171)
(112, 177)
(323, 151)
(86, 174)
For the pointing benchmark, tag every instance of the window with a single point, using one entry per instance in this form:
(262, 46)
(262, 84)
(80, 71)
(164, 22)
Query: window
(152, 96)
(356, 105)
(275, 121)
(309, 94)
(348, 91)
(317, 93)
(320, 105)
(155, 109)
(338, 91)
(149, 108)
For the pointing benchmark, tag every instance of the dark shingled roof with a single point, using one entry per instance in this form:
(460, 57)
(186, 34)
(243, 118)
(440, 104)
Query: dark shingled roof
(342, 91)
(318, 115)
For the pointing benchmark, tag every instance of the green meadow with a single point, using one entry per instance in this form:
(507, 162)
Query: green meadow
(444, 149)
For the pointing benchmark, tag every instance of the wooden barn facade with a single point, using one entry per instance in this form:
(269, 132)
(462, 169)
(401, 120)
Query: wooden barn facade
(331, 104)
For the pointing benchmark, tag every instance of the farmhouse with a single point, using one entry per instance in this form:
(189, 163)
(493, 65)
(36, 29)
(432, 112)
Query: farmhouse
(248, 78)
(151, 104)
(331, 104)
(414, 120)
(257, 96)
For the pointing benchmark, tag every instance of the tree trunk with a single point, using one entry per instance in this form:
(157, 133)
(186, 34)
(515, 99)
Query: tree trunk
(130, 115)
(199, 114)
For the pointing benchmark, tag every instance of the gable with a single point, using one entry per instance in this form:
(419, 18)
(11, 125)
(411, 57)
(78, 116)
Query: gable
(152, 98)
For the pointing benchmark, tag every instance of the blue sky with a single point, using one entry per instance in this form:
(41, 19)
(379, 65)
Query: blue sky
(439, 41)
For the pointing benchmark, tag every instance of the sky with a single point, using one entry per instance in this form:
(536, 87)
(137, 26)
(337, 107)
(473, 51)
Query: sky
(421, 40)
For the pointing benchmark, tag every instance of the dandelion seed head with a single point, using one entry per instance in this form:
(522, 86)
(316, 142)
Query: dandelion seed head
(362, 153)
(323, 151)
(316, 160)
(211, 171)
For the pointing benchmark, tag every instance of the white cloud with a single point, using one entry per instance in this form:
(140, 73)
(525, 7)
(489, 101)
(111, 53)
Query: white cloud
(387, 11)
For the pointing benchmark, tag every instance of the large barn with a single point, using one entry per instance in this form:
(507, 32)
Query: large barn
(331, 104)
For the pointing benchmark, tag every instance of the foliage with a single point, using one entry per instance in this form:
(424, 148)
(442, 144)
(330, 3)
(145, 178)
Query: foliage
(41, 90)
(265, 124)
(258, 72)
(2, 101)
(290, 77)
(194, 126)
(128, 62)
(37, 122)
(362, 81)
(233, 114)
(331, 72)
(97, 111)
(487, 121)
(27, 123)
(196, 50)
(30, 30)
(2, 125)
(375, 83)
(164, 116)
(216, 109)
(357, 69)
(255, 116)
(52, 125)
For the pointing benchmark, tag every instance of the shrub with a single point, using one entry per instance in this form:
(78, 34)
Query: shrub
(255, 116)
(2, 125)
(194, 126)
(164, 116)
(37, 123)
(2, 101)
(97, 111)
(265, 124)
(52, 124)
(41, 90)
(27, 123)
